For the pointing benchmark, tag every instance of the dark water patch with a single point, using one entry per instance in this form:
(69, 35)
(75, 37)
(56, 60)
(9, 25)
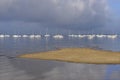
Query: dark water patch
(35, 67)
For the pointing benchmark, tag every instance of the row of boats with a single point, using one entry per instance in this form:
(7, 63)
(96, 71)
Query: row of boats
(59, 36)
(93, 36)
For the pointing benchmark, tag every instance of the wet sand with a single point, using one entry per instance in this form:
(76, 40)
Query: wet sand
(77, 55)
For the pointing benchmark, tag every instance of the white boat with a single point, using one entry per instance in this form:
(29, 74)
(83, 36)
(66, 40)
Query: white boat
(46, 35)
(25, 36)
(58, 36)
(37, 36)
(81, 36)
(112, 36)
(90, 36)
(2, 36)
(101, 36)
(16, 36)
(31, 36)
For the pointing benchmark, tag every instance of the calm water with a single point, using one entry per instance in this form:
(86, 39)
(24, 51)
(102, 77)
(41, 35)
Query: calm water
(26, 69)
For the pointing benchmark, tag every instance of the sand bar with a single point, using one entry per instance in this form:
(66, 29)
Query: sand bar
(77, 55)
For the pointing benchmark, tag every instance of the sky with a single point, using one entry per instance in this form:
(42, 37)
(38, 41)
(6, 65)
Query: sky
(115, 6)
(59, 16)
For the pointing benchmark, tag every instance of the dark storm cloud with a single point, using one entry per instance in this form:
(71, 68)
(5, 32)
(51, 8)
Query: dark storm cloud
(73, 14)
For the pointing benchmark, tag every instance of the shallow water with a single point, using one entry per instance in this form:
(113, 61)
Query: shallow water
(26, 69)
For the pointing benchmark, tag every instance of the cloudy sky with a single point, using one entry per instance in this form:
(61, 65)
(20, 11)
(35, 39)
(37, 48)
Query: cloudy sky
(83, 16)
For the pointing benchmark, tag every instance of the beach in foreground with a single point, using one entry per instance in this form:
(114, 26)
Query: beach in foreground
(77, 55)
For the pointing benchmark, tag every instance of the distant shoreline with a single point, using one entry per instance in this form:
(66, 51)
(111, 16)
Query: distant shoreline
(77, 55)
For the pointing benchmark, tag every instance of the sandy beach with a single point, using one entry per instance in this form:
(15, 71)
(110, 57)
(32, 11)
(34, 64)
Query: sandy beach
(77, 55)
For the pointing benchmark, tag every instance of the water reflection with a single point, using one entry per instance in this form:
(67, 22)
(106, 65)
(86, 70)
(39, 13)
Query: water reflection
(71, 71)
(53, 70)
(113, 72)
(8, 72)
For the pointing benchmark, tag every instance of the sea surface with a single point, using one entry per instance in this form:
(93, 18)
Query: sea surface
(12, 68)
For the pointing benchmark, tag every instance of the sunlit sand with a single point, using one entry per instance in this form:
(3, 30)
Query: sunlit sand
(78, 55)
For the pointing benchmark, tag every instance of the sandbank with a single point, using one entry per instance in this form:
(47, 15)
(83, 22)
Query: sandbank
(77, 55)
